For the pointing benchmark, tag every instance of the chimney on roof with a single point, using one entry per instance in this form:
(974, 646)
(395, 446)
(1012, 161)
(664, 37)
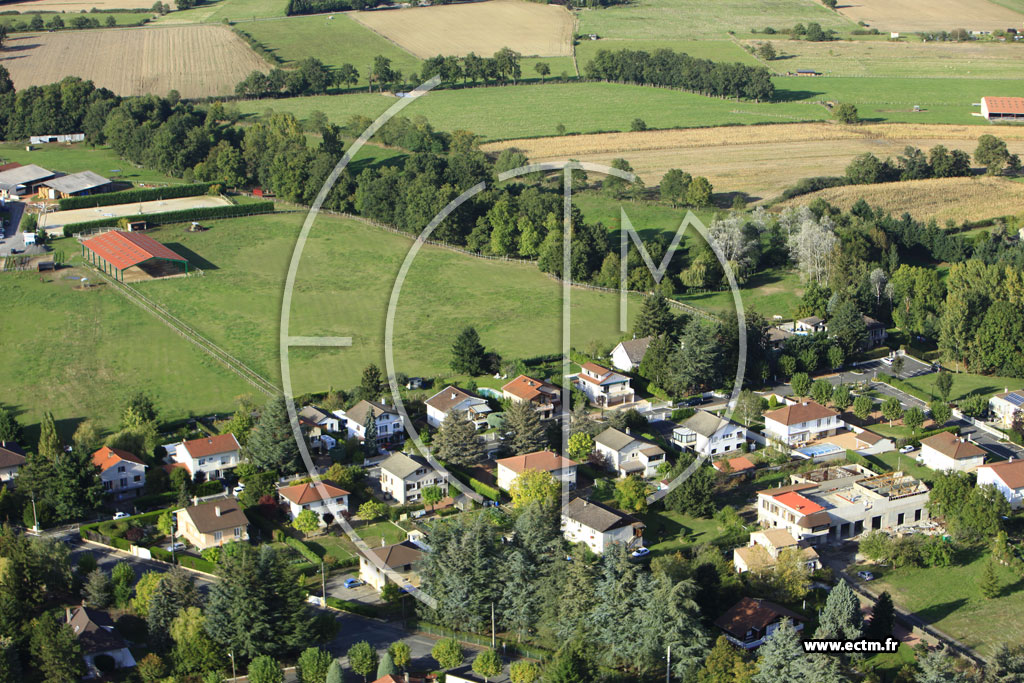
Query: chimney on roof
(628, 431)
(216, 509)
(586, 502)
(453, 395)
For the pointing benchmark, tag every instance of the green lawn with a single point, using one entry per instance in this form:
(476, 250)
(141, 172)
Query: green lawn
(343, 288)
(965, 383)
(668, 531)
(216, 11)
(674, 19)
(536, 110)
(82, 157)
(81, 354)
(949, 598)
(389, 532)
(906, 462)
(340, 548)
(771, 292)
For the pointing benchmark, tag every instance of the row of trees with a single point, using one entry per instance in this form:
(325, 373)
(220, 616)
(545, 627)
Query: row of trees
(939, 162)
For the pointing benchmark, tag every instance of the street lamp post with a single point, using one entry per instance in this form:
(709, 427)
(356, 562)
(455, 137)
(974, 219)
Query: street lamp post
(35, 519)
(232, 656)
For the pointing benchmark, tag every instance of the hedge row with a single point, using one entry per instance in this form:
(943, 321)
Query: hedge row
(483, 489)
(303, 550)
(210, 212)
(197, 563)
(353, 607)
(133, 196)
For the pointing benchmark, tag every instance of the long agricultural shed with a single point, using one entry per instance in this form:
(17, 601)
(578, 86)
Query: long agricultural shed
(115, 251)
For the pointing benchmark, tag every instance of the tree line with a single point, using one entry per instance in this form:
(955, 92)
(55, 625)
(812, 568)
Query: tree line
(667, 68)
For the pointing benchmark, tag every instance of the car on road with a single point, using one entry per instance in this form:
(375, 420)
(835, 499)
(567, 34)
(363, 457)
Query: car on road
(866, 576)
(238, 489)
(641, 552)
(907, 449)
(121, 515)
(887, 360)
(354, 583)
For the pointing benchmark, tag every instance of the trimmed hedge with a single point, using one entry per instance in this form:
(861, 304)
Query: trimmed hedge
(133, 196)
(353, 607)
(478, 486)
(303, 550)
(160, 554)
(185, 215)
(197, 563)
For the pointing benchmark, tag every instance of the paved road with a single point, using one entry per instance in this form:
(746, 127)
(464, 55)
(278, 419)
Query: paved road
(10, 238)
(106, 558)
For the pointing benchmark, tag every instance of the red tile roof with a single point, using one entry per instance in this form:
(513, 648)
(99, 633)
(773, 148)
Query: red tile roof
(211, 445)
(125, 249)
(527, 388)
(739, 464)
(545, 461)
(1012, 472)
(953, 446)
(107, 457)
(801, 412)
(753, 613)
(795, 501)
(1004, 105)
(300, 494)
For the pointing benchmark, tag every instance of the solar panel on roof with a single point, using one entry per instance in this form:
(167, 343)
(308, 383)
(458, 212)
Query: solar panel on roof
(1015, 399)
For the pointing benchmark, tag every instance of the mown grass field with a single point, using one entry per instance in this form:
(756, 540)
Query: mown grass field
(335, 41)
(674, 19)
(81, 157)
(216, 11)
(942, 199)
(81, 354)
(534, 110)
(343, 288)
(949, 598)
(898, 59)
(965, 383)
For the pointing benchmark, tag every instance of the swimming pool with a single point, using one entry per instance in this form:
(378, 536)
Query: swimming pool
(818, 450)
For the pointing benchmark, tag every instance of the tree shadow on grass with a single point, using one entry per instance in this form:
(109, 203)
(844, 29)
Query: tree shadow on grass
(940, 611)
(783, 95)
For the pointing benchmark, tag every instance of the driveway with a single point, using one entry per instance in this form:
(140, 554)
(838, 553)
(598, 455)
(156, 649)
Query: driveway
(365, 594)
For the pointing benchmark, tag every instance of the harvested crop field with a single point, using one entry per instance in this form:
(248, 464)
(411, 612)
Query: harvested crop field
(529, 28)
(194, 60)
(956, 199)
(760, 161)
(938, 15)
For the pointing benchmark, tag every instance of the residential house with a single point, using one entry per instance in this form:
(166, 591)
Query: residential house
(399, 558)
(1006, 405)
(309, 496)
(209, 456)
(123, 473)
(877, 333)
(799, 423)
(559, 467)
(738, 465)
(946, 452)
(12, 458)
(600, 526)
(1008, 477)
(778, 337)
(602, 386)
(212, 524)
(449, 399)
(94, 631)
(626, 454)
(403, 477)
(328, 423)
(765, 547)
(390, 427)
(832, 503)
(627, 355)
(811, 325)
(751, 620)
(708, 434)
(545, 397)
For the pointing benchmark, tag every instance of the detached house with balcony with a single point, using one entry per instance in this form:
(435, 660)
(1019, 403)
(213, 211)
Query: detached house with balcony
(1006, 405)
(626, 454)
(797, 424)
(123, 474)
(308, 496)
(751, 620)
(707, 434)
(452, 399)
(212, 524)
(544, 396)
(600, 526)
(390, 428)
(210, 456)
(561, 468)
(399, 558)
(603, 387)
(403, 477)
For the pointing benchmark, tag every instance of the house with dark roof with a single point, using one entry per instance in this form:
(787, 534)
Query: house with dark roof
(94, 631)
(627, 355)
(319, 498)
(404, 476)
(877, 334)
(707, 434)
(602, 386)
(799, 423)
(212, 524)
(322, 420)
(12, 459)
(627, 454)
(123, 473)
(1006, 406)
(452, 399)
(751, 620)
(948, 452)
(22, 180)
(544, 396)
(561, 468)
(1007, 477)
(387, 419)
(810, 325)
(600, 526)
(399, 558)
(208, 456)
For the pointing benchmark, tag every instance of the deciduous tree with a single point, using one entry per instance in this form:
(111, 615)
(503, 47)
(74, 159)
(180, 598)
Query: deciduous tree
(535, 486)
(447, 653)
